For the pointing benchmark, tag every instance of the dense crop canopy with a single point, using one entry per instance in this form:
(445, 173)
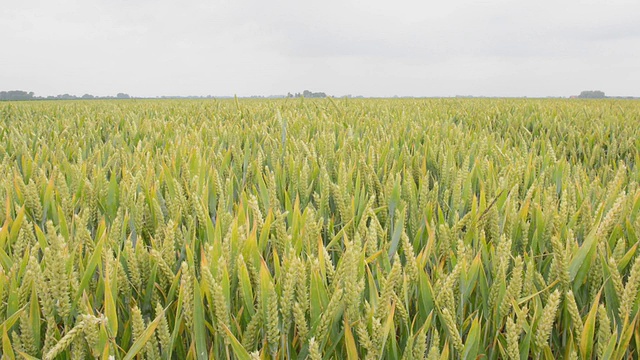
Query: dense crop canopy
(396, 229)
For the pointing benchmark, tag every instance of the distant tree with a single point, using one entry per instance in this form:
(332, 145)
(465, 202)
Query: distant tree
(23, 95)
(310, 94)
(16, 95)
(592, 94)
(66, 97)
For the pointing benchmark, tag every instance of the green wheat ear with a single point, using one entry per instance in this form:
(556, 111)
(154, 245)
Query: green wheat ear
(545, 325)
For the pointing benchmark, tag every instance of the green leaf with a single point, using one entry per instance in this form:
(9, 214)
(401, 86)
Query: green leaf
(586, 340)
(246, 289)
(139, 344)
(90, 269)
(397, 233)
(34, 315)
(625, 338)
(388, 326)
(349, 341)
(26, 356)
(238, 350)
(17, 224)
(11, 320)
(109, 303)
(472, 342)
(198, 322)
(7, 349)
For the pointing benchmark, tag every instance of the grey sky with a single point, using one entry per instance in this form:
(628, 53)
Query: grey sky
(371, 48)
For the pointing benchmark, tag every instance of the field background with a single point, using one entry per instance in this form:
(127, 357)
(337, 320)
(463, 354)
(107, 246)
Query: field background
(274, 229)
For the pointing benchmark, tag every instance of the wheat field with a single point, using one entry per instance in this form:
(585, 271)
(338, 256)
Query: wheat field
(320, 229)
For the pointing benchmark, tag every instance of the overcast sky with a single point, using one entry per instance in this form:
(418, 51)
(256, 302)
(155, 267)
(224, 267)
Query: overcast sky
(370, 48)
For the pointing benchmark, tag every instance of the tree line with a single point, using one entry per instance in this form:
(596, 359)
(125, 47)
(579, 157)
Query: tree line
(17, 95)
(308, 94)
(592, 94)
